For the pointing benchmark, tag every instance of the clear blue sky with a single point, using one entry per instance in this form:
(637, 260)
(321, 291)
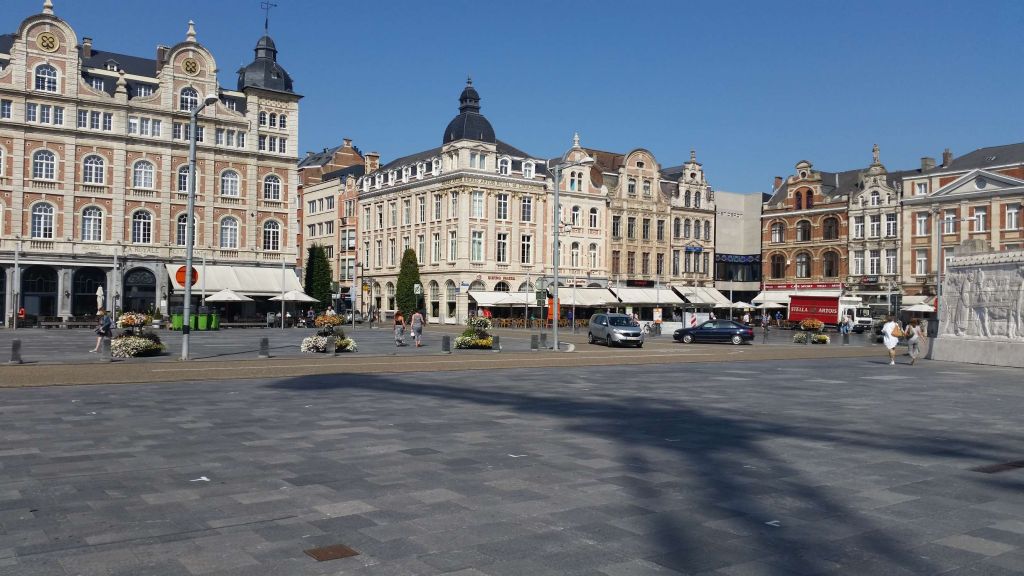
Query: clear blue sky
(754, 87)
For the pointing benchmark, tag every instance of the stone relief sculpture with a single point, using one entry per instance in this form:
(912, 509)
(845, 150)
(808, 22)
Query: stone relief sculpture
(984, 300)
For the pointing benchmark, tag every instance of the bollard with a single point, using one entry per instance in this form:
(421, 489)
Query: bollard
(446, 344)
(808, 340)
(264, 348)
(534, 342)
(496, 343)
(105, 350)
(544, 340)
(846, 338)
(15, 351)
(332, 346)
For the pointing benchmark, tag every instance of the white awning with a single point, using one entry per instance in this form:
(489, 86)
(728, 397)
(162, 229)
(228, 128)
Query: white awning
(248, 280)
(585, 297)
(918, 299)
(520, 299)
(703, 296)
(652, 296)
(489, 299)
(782, 296)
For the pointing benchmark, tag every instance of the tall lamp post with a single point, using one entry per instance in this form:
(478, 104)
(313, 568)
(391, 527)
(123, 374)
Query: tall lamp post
(557, 219)
(357, 291)
(190, 221)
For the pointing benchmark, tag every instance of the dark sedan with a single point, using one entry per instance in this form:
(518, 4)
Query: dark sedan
(716, 331)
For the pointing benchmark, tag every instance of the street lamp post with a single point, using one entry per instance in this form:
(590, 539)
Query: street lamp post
(190, 221)
(557, 218)
(16, 289)
(357, 291)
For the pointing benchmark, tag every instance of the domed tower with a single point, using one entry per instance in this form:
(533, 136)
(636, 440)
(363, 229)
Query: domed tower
(470, 124)
(264, 72)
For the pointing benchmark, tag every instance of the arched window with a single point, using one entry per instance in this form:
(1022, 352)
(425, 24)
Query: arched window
(272, 188)
(44, 164)
(282, 121)
(189, 99)
(229, 183)
(42, 221)
(686, 228)
(504, 166)
(229, 233)
(677, 228)
(592, 254)
(92, 224)
(707, 230)
(273, 120)
(502, 287)
(92, 170)
(686, 198)
(830, 265)
(449, 294)
(263, 118)
(527, 169)
(647, 187)
(696, 229)
(876, 198)
(46, 78)
(435, 291)
(576, 216)
(574, 255)
(810, 200)
(803, 231)
(799, 201)
(389, 289)
(271, 235)
(593, 218)
(778, 266)
(631, 187)
(142, 174)
(182, 230)
(142, 227)
(803, 265)
(696, 199)
(183, 179)
(778, 232)
(830, 229)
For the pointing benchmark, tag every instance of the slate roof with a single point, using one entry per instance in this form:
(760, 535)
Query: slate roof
(130, 64)
(318, 158)
(355, 171)
(504, 149)
(6, 41)
(985, 158)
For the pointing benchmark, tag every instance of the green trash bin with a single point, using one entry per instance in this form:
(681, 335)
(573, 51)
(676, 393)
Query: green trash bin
(177, 321)
(194, 321)
(204, 321)
(214, 321)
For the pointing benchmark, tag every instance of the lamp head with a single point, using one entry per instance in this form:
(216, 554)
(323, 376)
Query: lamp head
(210, 99)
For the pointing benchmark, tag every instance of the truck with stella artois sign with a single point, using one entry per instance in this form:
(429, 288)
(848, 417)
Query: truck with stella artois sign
(831, 310)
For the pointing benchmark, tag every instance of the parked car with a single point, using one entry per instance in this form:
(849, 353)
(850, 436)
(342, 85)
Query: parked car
(614, 329)
(347, 317)
(715, 331)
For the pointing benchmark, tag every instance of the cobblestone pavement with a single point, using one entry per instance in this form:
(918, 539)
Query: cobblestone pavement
(831, 466)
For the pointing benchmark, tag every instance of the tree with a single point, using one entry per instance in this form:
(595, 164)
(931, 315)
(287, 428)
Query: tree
(406, 299)
(318, 276)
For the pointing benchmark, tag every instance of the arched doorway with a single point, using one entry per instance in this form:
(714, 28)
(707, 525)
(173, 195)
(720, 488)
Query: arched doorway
(39, 291)
(83, 293)
(139, 290)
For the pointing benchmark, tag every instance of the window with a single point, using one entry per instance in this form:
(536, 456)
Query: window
(272, 188)
(407, 211)
(631, 187)
(394, 213)
(810, 199)
(526, 249)
(979, 219)
(875, 226)
(593, 218)
(501, 206)
(686, 199)
(143, 90)
(875, 198)
(218, 136)
(527, 169)
(696, 199)
(476, 251)
(46, 78)
(437, 206)
(858, 227)
(526, 209)
(380, 217)
(182, 230)
(261, 144)
(504, 166)
(92, 224)
(263, 118)
(921, 188)
(686, 228)
(631, 262)
(453, 246)
(645, 263)
(42, 221)
(890, 225)
(778, 232)
(799, 201)
(273, 144)
(273, 120)
(45, 113)
(58, 116)
(707, 231)
(92, 170)
(183, 177)
(890, 260)
(576, 181)
(631, 227)
(5, 109)
(421, 208)
(271, 235)
(576, 217)
(477, 206)
(229, 183)
(97, 84)
(501, 248)
(921, 224)
(645, 229)
(661, 230)
(108, 122)
(616, 260)
(858, 263)
(574, 255)
(453, 211)
(241, 137)
(647, 187)
(675, 262)
(44, 165)
(920, 262)
(803, 265)
(616, 226)
(803, 231)
(282, 122)
(874, 265)
(189, 99)
(778, 265)
(830, 229)
(31, 112)
(133, 125)
(592, 255)
(949, 222)
(94, 120)
(142, 227)
(1012, 218)
(435, 247)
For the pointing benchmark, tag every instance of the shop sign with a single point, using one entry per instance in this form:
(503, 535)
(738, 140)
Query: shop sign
(808, 286)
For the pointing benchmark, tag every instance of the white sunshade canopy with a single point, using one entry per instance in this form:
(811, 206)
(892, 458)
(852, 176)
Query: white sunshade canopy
(742, 305)
(704, 296)
(585, 297)
(782, 296)
(294, 296)
(919, 308)
(653, 296)
(228, 295)
(248, 280)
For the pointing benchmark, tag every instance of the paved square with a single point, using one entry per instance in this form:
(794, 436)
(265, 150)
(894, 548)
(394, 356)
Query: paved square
(802, 467)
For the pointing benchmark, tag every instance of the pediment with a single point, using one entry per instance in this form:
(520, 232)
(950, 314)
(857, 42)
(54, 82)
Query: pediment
(978, 182)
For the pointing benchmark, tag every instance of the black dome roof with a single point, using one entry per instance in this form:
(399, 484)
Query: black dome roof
(470, 124)
(264, 72)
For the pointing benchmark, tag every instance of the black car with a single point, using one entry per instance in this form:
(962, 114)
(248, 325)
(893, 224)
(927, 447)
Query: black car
(716, 331)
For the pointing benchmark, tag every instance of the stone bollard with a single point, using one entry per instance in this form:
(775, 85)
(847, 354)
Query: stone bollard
(264, 348)
(808, 340)
(534, 342)
(544, 340)
(846, 338)
(495, 343)
(332, 346)
(105, 350)
(15, 351)
(446, 344)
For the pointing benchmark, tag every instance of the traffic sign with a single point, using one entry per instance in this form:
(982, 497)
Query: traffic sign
(417, 289)
(179, 276)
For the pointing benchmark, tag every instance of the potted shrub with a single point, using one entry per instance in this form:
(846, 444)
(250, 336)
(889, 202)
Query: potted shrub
(328, 327)
(476, 335)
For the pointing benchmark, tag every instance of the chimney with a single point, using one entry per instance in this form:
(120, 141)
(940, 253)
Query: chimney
(161, 55)
(927, 163)
(947, 157)
(346, 143)
(778, 182)
(371, 162)
(86, 47)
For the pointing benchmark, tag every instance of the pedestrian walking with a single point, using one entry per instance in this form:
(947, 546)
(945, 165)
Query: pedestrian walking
(330, 311)
(891, 334)
(399, 329)
(417, 328)
(104, 329)
(778, 318)
(915, 337)
(766, 319)
(746, 318)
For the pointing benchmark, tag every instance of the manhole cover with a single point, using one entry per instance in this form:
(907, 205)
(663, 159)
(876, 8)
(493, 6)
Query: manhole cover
(995, 468)
(330, 552)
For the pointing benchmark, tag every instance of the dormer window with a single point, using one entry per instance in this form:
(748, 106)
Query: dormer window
(504, 166)
(435, 167)
(392, 177)
(527, 169)
(640, 164)
(876, 198)
(97, 84)
(111, 65)
(405, 173)
(144, 90)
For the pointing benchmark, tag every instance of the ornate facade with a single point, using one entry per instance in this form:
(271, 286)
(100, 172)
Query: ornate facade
(94, 175)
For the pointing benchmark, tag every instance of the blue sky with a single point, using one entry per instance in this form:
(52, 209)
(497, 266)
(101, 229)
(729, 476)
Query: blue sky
(754, 87)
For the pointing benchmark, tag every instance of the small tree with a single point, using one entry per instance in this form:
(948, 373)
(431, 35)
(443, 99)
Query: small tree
(318, 276)
(406, 299)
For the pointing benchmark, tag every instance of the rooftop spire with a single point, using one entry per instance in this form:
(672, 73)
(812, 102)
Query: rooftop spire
(693, 155)
(48, 7)
(575, 139)
(266, 6)
(190, 35)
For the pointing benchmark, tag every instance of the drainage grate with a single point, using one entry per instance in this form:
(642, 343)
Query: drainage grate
(331, 552)
(995, 468)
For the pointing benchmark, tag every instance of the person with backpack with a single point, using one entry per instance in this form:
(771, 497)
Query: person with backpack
(915, 337)
(104, 329)
(891, 334)
(399, 329)
(417, 328)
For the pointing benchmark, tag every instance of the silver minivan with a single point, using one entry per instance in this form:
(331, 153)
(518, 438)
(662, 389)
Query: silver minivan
(614, 329)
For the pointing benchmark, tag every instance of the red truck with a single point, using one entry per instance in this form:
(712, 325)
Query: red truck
(830, 310)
